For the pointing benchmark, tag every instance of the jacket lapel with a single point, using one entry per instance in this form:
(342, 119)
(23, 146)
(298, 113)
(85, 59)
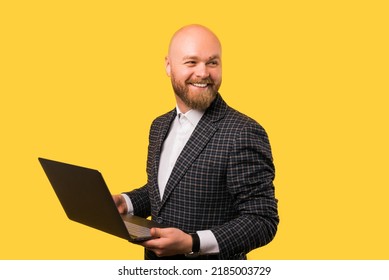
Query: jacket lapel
(162, 134)
(202, 134)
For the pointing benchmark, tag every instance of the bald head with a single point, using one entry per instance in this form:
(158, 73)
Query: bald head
(193, 34)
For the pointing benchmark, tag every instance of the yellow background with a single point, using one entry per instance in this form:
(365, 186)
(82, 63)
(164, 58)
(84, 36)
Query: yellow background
(81, 82)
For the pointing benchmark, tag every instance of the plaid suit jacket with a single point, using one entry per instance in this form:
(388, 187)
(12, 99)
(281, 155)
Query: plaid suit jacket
(222, 181)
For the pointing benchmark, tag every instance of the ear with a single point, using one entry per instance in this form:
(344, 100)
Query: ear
(167, 66)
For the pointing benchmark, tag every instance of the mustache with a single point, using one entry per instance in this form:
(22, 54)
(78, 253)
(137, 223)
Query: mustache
(201, 81)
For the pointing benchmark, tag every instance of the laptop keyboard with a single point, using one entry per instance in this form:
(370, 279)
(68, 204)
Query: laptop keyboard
(137, 230)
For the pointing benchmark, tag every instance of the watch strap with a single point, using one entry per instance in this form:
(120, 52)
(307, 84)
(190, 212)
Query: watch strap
(195, 242)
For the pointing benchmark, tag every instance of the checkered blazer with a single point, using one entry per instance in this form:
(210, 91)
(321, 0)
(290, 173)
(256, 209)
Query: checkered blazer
(222, 181)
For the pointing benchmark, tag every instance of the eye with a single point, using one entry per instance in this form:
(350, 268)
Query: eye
(190, 62)
(213, 63)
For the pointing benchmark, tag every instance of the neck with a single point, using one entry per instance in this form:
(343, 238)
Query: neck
(181, 105)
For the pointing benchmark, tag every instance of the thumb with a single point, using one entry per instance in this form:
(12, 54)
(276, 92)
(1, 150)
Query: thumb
(156, 232)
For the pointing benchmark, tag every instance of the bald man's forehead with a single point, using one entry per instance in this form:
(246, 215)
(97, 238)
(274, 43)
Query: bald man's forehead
(195, 53)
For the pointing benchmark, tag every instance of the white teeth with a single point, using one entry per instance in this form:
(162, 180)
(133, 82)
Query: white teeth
(199, 85)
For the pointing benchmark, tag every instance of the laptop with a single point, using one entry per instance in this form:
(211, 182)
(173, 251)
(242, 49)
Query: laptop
(86, 199)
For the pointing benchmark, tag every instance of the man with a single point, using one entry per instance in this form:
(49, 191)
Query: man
(210, 170)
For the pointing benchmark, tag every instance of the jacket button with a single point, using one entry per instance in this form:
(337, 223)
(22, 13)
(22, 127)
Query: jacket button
(159, 220)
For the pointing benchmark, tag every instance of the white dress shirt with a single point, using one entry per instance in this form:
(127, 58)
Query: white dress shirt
(180, 132)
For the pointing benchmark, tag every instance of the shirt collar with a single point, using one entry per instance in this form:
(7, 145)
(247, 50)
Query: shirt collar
(194, 116)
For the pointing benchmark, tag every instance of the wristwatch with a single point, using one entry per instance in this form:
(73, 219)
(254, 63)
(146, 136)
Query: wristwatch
(195, 246)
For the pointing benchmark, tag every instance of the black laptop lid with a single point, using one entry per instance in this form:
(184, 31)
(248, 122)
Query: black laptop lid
(84, 196)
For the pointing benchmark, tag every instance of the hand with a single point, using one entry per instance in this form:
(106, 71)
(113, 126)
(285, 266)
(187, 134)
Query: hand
(120, 203)
(168, 242)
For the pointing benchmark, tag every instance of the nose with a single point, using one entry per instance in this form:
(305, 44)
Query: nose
(202, 71)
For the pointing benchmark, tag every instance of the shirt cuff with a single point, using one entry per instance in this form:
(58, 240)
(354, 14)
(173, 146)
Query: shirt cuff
(208, 243)
(130, 207)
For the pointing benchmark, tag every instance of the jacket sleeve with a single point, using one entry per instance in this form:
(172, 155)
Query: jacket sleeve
(140, 200)
(250, 176)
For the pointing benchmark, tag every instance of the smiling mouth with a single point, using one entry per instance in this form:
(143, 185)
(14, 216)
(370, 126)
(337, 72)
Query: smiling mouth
(200, 85)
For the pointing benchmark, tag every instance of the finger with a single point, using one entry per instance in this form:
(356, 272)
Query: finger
(150, 244)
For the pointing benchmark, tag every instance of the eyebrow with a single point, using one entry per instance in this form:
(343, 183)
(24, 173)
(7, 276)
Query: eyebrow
(196, 57)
